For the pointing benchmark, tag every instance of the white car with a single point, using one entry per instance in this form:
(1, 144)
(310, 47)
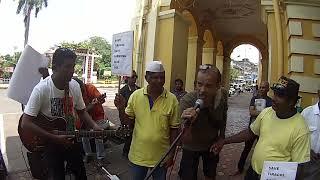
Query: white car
(232, 91)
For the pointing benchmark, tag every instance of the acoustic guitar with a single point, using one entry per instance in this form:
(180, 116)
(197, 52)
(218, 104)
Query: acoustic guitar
(34, 143)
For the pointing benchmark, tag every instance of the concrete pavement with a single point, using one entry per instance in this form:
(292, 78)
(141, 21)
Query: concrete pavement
(238, 118)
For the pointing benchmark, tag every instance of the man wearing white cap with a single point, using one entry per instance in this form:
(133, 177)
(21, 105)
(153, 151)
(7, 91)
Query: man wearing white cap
(154, 112)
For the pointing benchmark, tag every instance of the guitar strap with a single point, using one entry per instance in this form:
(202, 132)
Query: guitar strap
(68, 112)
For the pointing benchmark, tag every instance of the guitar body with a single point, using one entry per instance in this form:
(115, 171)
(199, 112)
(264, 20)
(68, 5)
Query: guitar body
(35, 143)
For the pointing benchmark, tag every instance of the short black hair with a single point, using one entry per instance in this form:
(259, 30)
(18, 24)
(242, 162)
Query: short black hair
(178, 80)
(60, 55)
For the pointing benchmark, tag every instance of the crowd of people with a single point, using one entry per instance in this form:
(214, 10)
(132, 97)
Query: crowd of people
(156, 117)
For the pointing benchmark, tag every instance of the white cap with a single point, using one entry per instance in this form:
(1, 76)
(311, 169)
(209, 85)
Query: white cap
(155, 66)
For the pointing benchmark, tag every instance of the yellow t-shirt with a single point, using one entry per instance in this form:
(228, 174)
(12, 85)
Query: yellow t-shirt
(151, 134)
(279, 139)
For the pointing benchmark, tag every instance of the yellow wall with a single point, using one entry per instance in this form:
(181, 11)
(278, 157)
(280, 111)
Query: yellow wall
(171, 48)
(207, 56)
(308, 79)
(180, 48)
(273, 45)
(163, 50)
(191, 63)
(219, 63)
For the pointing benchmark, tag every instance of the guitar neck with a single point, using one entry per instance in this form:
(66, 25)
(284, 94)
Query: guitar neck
(89, 134)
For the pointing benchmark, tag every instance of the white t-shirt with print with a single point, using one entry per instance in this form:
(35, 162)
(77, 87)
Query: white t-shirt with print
(49, 100)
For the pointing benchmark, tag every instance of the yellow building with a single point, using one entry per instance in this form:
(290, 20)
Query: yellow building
(186, 33)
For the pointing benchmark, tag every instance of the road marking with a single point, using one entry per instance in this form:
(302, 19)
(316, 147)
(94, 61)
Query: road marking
(3, 142)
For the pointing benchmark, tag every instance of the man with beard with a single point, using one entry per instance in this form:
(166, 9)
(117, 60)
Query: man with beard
(153, 112)
(56, 97)
(283, 133)
(257, 104)
(206, 126)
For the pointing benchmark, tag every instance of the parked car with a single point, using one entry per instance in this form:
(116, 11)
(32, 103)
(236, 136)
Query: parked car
(232, 91)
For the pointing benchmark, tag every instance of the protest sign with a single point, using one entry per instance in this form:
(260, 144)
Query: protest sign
(122, 48)
(26, 75)
(274, 170)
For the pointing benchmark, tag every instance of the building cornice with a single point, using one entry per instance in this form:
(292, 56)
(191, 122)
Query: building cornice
(303, 2)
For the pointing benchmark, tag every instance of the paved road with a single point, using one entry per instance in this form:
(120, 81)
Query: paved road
(13, 150)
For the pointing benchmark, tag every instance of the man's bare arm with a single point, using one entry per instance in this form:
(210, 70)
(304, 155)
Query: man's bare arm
(86, 118)
(242, 136)
(125, 119)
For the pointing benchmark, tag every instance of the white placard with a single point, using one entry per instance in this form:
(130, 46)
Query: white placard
(273, 170)
(26, 75)
(122, 48)
(260, 104)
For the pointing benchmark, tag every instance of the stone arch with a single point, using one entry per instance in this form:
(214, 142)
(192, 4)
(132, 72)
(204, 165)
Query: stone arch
(193, 27)
(248, 39)
(195, 43)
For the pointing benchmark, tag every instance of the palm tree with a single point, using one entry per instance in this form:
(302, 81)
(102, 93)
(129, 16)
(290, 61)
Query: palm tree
(26, 6)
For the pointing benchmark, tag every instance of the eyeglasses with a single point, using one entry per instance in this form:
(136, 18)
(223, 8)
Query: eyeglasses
(205, 66)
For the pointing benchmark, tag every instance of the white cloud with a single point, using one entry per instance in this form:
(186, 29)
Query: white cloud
(64, 20)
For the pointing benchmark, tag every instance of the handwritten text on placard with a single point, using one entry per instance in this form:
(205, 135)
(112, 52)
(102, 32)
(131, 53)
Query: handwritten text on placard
(273, 170)
(122, 47)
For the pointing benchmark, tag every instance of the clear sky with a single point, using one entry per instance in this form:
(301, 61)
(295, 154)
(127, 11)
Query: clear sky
(246, 51)
(64, 20)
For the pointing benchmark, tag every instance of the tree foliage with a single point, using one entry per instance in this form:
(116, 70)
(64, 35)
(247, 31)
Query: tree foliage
(8, 61)
(27, 6)
(99, 46)
(234, 73)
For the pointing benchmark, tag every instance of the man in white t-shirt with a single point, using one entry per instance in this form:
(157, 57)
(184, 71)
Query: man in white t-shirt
(48, 98)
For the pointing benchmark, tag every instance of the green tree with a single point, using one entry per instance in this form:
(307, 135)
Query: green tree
(99, 46)
(8, 61)
(26, 6)
(234, 73)
(103, 48)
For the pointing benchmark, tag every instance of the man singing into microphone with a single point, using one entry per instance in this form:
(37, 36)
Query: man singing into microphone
(207, 124)
(154, 112)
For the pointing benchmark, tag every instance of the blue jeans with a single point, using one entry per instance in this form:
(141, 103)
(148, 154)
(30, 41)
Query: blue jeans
(99, 147)
(140, 172)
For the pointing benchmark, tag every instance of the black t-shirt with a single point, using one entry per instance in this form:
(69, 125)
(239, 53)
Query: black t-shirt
(126, 92)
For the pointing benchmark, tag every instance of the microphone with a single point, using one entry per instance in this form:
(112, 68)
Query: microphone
(197, 106)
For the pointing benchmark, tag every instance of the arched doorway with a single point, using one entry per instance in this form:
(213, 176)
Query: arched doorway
(194, 42)
(245, 68)
(251, 40)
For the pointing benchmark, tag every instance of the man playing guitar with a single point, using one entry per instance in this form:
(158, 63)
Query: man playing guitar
(56, 97)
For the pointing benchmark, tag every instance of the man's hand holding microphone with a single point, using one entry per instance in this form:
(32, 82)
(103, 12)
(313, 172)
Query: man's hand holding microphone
(190, 115)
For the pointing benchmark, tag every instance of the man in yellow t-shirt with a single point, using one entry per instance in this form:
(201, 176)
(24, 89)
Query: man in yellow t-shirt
(153, 112)
(283, 133)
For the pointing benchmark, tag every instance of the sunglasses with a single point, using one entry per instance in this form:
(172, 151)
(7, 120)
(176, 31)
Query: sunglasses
(205, 66)
(278, 86)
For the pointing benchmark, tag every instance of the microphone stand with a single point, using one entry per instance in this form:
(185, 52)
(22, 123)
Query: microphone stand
(167, 153)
